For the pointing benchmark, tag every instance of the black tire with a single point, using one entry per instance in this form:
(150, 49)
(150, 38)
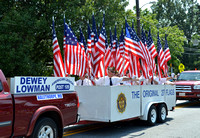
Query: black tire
(42, 126)
(162, 113)
(152, 116)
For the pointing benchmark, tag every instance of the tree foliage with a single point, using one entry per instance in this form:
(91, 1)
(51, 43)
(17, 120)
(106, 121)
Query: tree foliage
(185, 14)
(26, 34)
(175, 36)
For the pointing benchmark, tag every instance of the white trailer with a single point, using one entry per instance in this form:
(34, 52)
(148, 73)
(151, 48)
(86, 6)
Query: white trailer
(115, 103)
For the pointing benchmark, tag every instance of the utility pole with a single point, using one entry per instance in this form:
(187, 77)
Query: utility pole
(138, 17)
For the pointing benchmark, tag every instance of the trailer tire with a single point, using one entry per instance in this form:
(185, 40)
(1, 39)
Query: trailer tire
(45, 127)
(152, 116)
(162, 113)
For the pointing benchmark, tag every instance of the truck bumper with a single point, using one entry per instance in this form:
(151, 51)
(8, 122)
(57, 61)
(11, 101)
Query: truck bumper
(187, 95)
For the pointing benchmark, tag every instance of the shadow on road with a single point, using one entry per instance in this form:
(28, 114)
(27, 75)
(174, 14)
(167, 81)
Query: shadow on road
(131, 128)
(119, 129)
(188, 104)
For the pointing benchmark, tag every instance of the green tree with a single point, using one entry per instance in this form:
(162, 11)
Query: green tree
(184, 14)
(25, 39)
(26, 36)
(175, 36)
(26, 33)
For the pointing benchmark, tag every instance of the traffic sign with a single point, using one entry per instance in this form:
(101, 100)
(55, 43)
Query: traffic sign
(181, 67)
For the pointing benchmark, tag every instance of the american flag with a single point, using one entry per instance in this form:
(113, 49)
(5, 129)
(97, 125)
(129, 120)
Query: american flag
(107, 61)
(72, 52)
(108, 58)
(64, 47)
(121, 42)
(134, 46)
(101, 45)
(111, 62)
(57, 58)
(94, 39)
(151, 46)
(122, 61)
(118, 58)
(134, 68)
(152, 49)
(144, 38)
(111, 39)
(114, 47)
(94, 35)
(82, 40)
(64, 38)
(100, 50)
(167, 55)
(131, 42)
(149, 57)
(89, 52)
(83, 57)
(161, 57)
(89, 40)
(166, 50)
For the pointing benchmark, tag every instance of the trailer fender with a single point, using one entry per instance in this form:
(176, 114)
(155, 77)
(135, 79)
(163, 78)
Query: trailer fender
(146, 109)
(41, 111)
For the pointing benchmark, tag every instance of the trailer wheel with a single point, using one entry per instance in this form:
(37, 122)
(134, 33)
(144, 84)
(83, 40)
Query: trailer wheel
(46, 128)
(152, 116)
(162, 113)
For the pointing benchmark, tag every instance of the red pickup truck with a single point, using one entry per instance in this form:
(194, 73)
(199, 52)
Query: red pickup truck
(32, 108)
(188, 85)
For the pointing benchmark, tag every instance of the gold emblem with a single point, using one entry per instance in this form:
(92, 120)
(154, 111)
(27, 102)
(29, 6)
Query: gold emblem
(121, 102)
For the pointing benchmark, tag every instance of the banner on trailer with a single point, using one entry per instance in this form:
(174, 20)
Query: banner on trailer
(24, 85)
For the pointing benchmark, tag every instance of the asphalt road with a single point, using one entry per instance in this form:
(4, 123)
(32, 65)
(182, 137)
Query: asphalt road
(184, 122)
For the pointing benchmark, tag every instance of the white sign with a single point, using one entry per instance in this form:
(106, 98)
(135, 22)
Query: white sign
(24, 85)
(49, 96)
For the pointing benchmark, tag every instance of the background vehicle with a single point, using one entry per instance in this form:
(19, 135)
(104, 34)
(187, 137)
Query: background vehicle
(188, 85)
(25, 112)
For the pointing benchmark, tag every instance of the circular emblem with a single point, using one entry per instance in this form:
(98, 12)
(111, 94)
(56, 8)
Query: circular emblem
(121, 103)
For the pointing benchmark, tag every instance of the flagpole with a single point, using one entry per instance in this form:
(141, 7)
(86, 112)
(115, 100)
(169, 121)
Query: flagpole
(124, 53)
(124, 47)
(65, 47)
(138, 17)
(104, 53)
(53, 58)
(123, 63)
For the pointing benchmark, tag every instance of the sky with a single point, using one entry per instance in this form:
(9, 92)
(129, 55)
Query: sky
(143, 4)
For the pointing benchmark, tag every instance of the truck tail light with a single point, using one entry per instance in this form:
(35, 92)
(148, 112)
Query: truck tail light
(78, 104)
